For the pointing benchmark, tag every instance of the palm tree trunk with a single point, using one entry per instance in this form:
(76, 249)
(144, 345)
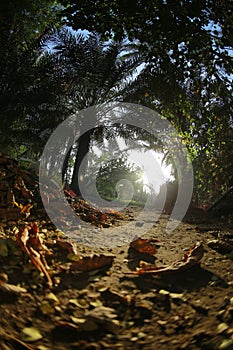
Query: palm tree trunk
(65, 165)
(80, 164)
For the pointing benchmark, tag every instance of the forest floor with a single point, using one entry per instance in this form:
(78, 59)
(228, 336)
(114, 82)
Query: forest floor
(107, 308)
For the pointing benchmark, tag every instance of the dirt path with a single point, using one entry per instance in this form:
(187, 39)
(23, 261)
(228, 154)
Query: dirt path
(109, 309)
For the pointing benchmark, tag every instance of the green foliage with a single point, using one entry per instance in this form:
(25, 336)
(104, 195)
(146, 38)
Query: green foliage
(177, 36)
(29, 96)
(91, 71)
(25, 94)
(111, 176)
(186, 75)
(24, 20)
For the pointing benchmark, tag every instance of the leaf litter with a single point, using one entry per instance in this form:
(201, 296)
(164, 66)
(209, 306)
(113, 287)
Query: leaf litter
(190, 259)
(113, 304)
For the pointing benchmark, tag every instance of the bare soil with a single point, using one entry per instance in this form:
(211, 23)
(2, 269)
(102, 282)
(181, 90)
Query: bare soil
(107, 308)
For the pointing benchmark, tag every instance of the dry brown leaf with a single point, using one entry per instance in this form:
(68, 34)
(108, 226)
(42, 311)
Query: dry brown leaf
(103, 217)
(26, 208)
(11, 289)
(143, 246)
(32, 244)
(20, 185)
(67, 245)
(115, 213)
(94, 262)
(91, 218)
(191, 258)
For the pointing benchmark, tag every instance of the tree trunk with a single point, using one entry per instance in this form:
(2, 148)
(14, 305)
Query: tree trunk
(80, 164)
(65, 165)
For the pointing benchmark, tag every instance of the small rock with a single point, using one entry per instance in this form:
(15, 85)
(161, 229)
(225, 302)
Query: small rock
(77, 320)
(141, 335)
(164, 292)
(222, 327)
(139, 224)
(52, 297)
(227, 344)
(177, 296)
(133, 339)
(30, 334)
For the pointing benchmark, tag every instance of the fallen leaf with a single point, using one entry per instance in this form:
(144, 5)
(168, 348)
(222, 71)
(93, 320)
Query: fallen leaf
(115, 213)
(20, 185)
(191, 258)
(94, 262)
(143, 246)
(68, 246)
(11, 289)
(103, 217)
(26, 208)
(32, 244)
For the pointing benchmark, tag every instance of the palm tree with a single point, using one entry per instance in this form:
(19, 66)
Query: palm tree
(23, 82)
(92, 72)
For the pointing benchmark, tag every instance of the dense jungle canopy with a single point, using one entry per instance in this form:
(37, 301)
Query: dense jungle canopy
(58, 57)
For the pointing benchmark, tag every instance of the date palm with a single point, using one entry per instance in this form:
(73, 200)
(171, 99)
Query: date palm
(91, 72)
